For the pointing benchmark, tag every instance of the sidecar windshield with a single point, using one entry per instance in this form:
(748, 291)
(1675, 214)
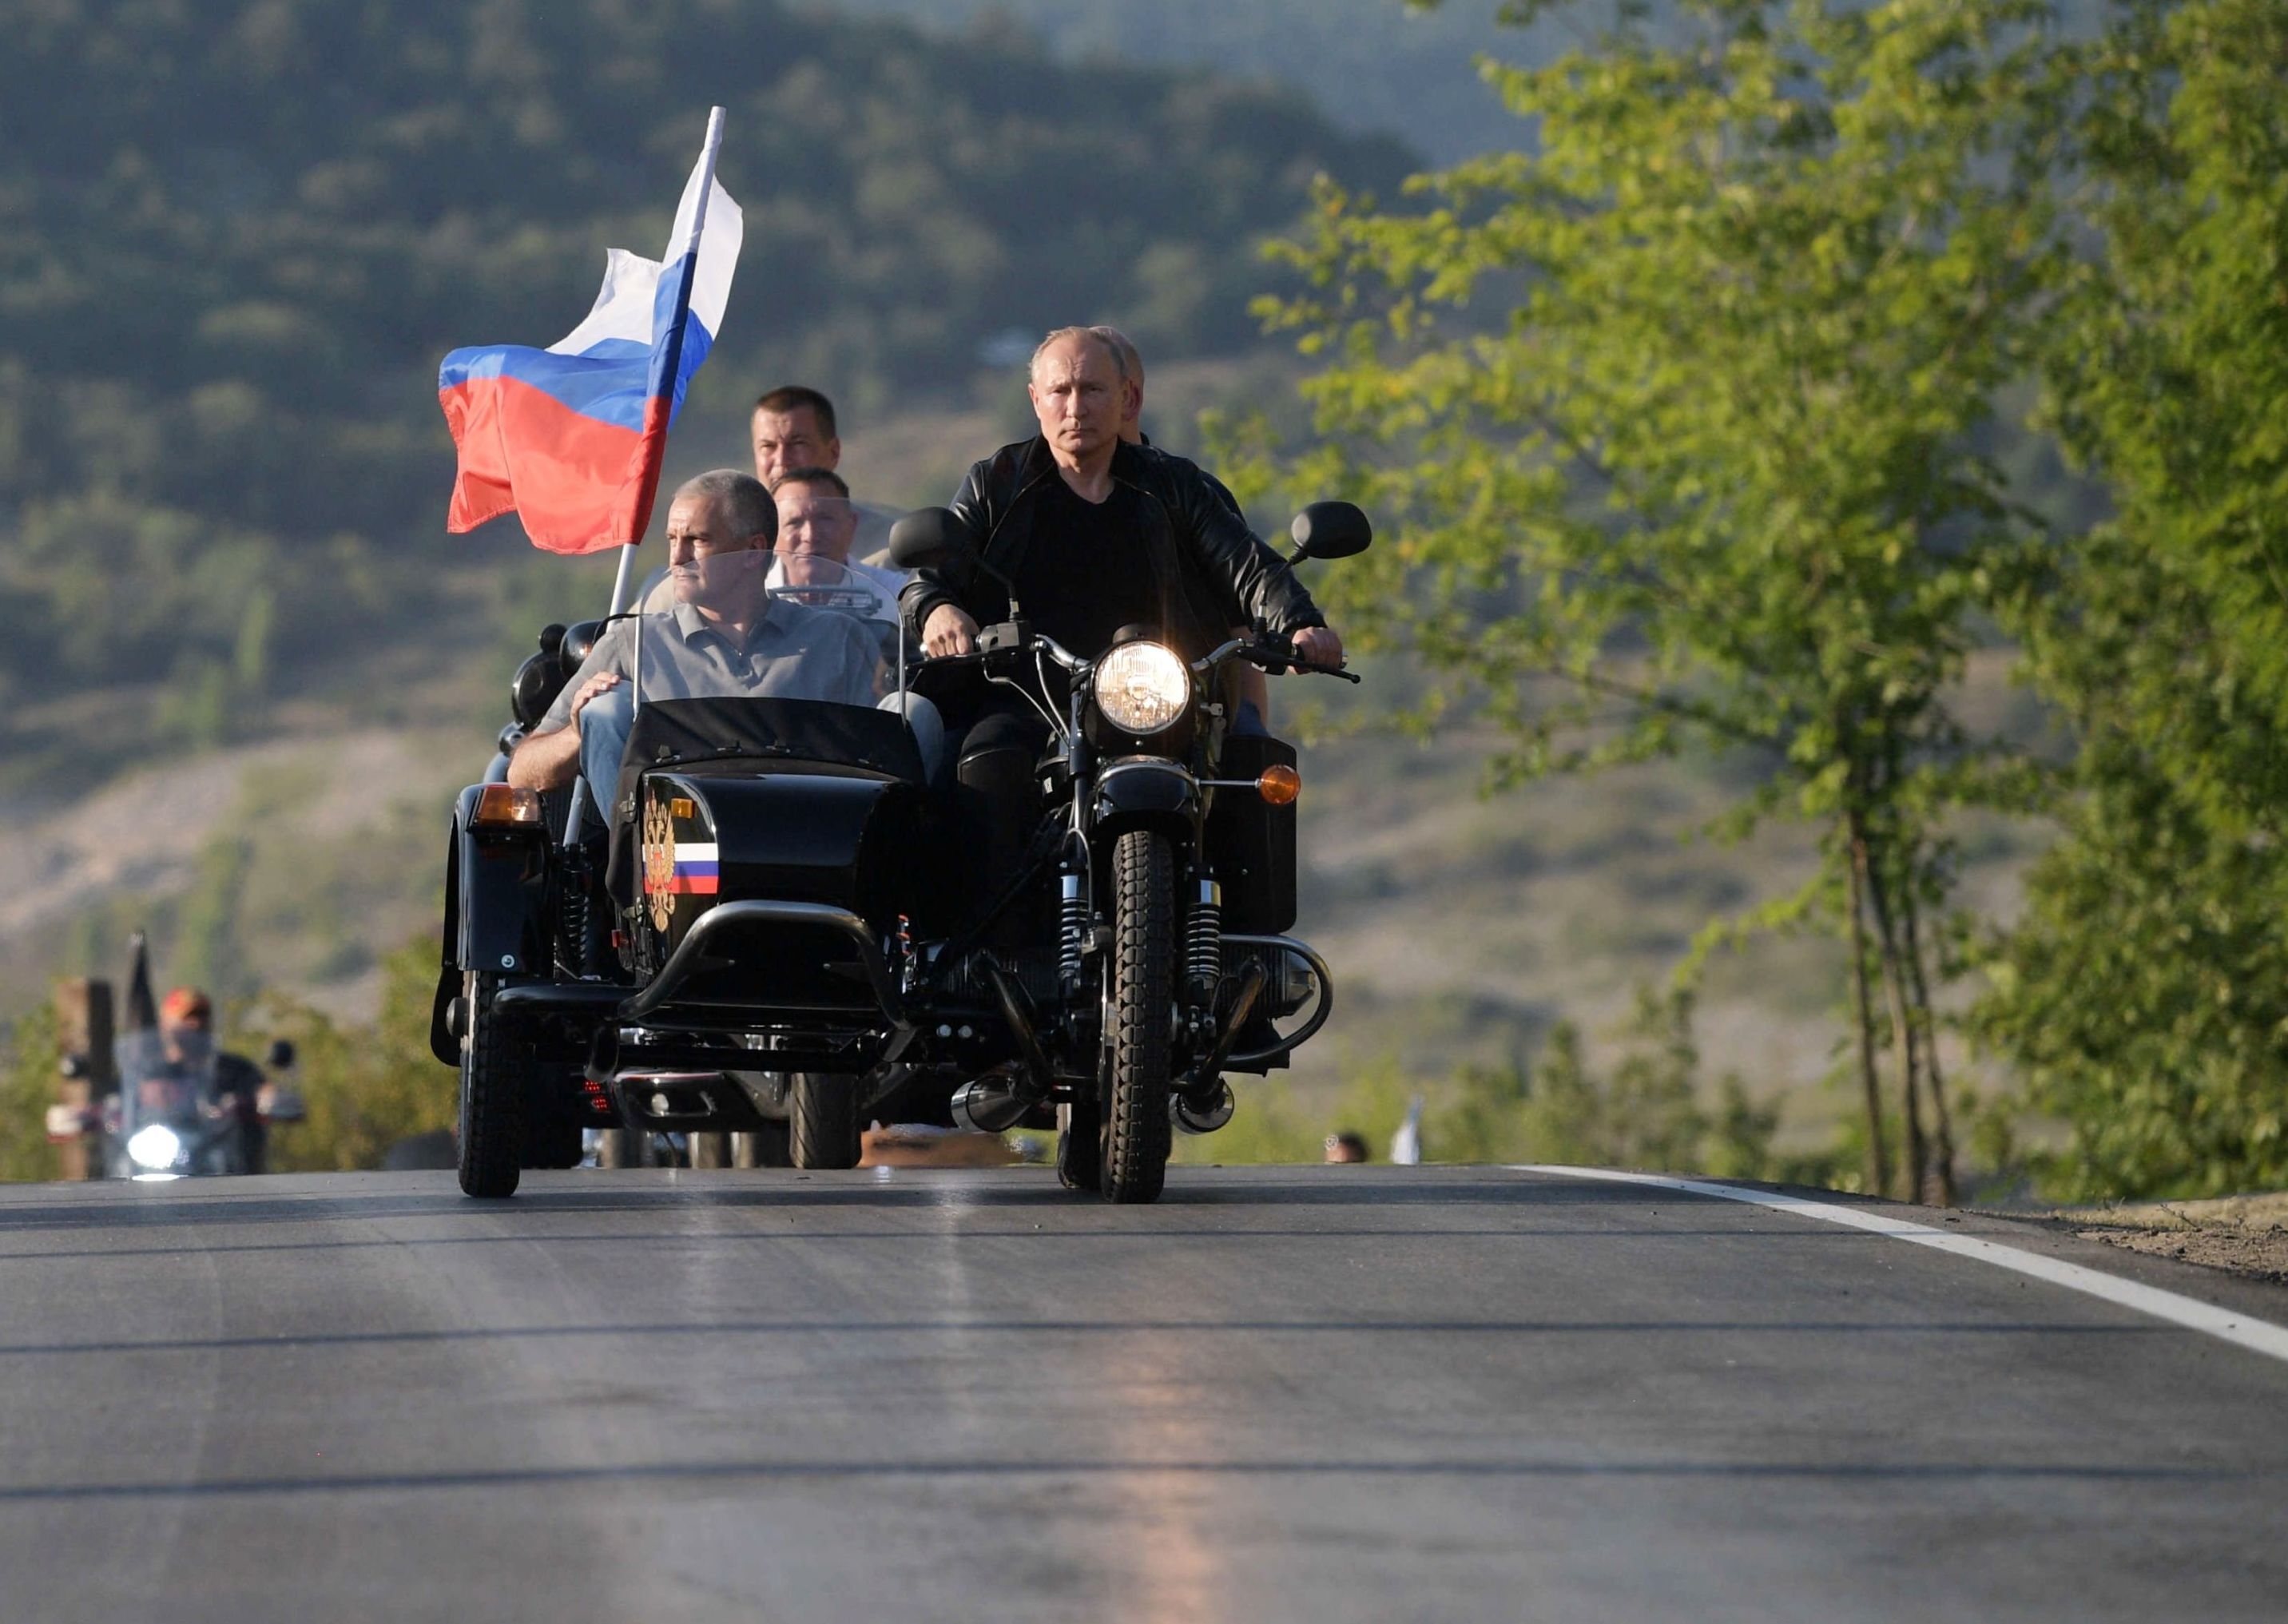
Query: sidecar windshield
(761, 661)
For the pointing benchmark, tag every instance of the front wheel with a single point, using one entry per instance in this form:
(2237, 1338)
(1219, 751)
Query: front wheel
(1143, 1009)
(494, 1073)
(822, 1125)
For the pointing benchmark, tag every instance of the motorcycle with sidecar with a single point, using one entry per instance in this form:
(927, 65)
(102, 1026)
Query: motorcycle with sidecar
(771, 916)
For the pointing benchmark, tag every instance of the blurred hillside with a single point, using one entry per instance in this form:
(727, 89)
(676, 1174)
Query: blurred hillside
(235, 240)
(1373, 65)
(242, 671)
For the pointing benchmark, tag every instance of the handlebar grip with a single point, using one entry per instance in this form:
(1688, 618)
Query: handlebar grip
(1276, 660)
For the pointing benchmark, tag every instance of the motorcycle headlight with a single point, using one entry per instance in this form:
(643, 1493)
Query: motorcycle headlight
(1142, 687)
(156, 1146)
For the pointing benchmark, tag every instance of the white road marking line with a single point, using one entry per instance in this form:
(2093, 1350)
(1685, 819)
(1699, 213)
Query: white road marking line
(2257, 1334)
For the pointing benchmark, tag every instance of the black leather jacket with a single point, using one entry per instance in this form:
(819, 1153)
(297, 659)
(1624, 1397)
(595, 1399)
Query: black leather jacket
(1228, 576)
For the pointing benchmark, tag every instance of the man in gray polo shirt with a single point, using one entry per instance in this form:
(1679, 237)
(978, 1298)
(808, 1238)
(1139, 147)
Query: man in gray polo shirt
(725, 634)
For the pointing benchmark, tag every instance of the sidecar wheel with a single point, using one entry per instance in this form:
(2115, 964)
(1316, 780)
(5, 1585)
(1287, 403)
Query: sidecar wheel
(822, 1125)
(1144, 992)
(494, 1073)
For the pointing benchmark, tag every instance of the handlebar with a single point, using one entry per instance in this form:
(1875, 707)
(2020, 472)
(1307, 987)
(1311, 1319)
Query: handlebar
(1273, 657)
(1004, 638)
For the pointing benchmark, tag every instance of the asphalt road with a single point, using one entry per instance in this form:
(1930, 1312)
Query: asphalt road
(1310, 1394)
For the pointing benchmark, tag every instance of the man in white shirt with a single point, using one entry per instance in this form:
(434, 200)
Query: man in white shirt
(793, 427)
(818, 519)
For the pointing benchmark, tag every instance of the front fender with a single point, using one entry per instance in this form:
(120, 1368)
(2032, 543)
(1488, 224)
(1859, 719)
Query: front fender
(497, 895)
(444, 1043)
(1148, 792)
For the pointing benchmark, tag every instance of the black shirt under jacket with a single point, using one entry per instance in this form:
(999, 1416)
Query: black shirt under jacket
(1091, 568)
(1207, 570)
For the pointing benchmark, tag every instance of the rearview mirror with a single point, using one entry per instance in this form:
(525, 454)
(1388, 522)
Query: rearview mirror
(928, 538)
(1329, 530)
(572, 648)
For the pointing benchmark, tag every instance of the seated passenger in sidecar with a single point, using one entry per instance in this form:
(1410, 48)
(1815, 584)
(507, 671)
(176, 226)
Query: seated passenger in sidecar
(710, 954)
(736, 618)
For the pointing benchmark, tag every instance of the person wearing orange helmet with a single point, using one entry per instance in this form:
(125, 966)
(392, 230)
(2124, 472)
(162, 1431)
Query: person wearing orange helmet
(197, 1076)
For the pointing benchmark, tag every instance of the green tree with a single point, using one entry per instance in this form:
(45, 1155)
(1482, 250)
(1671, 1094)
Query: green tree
(29, 1062)
(365, 1087)
(1645, 1112)
(225, 282)
(1675, 420)
(2144, 993)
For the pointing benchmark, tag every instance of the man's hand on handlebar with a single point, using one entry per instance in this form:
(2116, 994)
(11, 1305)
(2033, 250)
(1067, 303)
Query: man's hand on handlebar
(1319, 646)
(948, 631)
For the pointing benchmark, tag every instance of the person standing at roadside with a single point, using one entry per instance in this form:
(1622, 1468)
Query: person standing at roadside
(793, 426)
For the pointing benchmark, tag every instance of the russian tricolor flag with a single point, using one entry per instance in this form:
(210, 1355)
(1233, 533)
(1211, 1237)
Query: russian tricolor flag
(570, 438)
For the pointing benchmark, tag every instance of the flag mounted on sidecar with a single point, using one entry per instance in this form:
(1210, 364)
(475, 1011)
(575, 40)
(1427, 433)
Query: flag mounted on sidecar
(570, 438)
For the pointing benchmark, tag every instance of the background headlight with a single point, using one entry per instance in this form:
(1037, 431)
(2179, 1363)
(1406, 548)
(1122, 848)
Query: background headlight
(156, 1146)
(1141, 687)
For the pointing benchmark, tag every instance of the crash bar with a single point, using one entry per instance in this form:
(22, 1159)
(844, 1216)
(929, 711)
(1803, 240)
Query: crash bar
(684, 962)
(1309, 956)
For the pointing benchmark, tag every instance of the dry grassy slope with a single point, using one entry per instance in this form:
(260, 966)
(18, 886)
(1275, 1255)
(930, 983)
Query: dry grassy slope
(1460, 926)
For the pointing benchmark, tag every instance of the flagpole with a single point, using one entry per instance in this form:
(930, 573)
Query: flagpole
(624, 579)
(665, 366)
(621, 581)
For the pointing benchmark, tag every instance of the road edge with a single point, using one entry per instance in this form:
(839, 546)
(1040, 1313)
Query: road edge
(2241, 1329)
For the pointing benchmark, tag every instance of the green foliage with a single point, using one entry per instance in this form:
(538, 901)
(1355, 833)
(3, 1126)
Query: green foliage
(366, 1087)
(1715, 480)
(2142, 991)
(29, 1058)
(1373, 64)
(207, 936)
(1646, 1111)
(236, 239)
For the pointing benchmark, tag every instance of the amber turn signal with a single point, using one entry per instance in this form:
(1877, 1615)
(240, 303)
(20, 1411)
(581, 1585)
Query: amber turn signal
(1280, 784)
(503, 806)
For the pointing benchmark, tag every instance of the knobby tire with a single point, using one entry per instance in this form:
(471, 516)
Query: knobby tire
(1136, 1130)
(495, 1067)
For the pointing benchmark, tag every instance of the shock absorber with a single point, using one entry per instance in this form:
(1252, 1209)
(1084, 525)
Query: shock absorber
(1072, 923)
(1204, 942)
(572, 944)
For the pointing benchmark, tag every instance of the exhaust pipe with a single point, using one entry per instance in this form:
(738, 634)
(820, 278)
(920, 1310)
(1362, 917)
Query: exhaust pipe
(1000, 1100)
(1207, 1103)
(1014, 1010)
(1194, 1113)
(991, 1105)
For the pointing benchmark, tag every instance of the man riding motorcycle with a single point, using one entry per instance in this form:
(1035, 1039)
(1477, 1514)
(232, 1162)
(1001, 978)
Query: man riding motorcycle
(1094, 533)
(204, 1105)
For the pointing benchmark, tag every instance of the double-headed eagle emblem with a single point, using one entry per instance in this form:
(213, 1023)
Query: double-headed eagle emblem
(659, 860)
